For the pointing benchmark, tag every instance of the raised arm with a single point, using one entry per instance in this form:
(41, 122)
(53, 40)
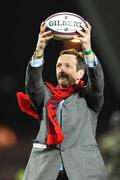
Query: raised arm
(33, 81)
(94, 95)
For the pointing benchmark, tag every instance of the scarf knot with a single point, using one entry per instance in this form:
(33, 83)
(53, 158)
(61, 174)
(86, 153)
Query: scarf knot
(55, 134)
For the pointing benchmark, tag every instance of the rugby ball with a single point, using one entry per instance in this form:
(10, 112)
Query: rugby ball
(63, 24)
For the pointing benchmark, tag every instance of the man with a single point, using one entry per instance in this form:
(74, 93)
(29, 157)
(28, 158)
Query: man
(65, 147)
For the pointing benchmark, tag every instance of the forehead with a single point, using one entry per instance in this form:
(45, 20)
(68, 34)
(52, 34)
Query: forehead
(67, 58)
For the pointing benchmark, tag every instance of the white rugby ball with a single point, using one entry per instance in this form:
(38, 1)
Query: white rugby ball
(63, 24)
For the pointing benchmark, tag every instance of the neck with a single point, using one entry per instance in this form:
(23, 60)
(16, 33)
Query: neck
(66, 86)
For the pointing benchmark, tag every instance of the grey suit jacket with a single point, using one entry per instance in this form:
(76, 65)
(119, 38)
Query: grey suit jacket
(79, 151)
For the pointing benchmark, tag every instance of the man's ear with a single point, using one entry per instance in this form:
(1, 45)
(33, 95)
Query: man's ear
(80, 74)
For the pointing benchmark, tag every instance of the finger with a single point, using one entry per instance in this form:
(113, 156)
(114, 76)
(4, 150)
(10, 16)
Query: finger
(77, 38)
(81, 33)
(42, 24)
(43, 28)
(46, 38)
(88, 25)
(84, 27)
(46, 33)
(49, 37)
(81, 39)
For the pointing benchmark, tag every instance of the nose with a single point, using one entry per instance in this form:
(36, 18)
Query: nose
(62, 69)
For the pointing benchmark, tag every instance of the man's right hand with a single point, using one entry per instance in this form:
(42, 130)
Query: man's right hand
(43, 37)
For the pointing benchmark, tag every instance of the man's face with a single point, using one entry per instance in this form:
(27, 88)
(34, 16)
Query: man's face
(66, 70)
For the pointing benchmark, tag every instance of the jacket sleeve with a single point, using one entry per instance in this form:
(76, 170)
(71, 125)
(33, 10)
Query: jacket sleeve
(95, 90)
(34, 85)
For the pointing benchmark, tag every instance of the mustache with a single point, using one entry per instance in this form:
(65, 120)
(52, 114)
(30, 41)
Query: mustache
(63, 75)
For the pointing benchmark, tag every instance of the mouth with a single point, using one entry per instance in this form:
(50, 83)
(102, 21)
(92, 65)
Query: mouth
(63, 79)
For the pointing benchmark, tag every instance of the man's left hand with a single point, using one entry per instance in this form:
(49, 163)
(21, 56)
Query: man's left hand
(84, 36)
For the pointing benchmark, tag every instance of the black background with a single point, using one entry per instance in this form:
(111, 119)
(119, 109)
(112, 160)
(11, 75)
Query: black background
(19, 26)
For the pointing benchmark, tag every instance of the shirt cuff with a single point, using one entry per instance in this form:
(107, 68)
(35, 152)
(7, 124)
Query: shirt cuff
(37, 62)
(90, 62)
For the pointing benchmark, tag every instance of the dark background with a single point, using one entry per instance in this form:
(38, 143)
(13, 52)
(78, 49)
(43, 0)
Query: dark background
(19, 26)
